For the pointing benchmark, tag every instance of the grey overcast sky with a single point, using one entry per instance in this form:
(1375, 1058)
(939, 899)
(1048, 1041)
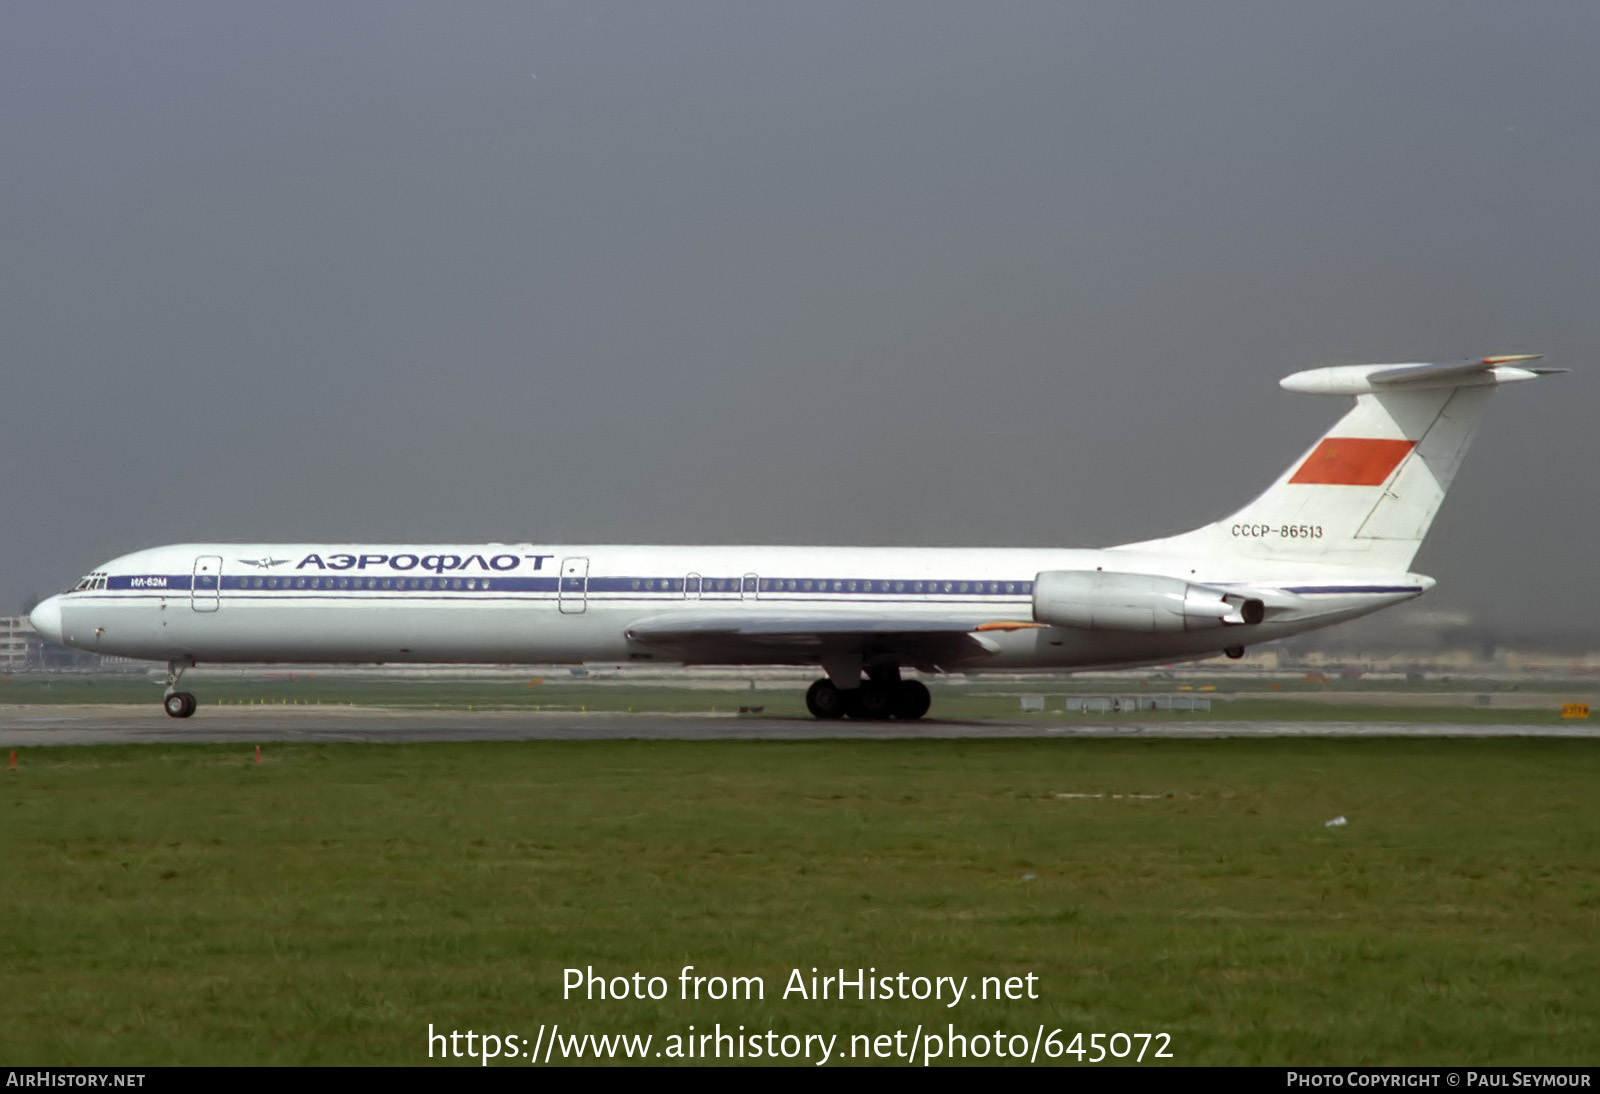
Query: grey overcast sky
(817, 272)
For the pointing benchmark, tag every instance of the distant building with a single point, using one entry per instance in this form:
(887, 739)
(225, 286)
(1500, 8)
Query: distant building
(23, 649)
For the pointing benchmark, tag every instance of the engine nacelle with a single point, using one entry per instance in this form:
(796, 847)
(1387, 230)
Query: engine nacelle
(1145, 603)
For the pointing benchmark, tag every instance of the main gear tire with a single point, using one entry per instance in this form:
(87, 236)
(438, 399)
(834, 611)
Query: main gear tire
(877, 701)
(911, 700)
(824, 700)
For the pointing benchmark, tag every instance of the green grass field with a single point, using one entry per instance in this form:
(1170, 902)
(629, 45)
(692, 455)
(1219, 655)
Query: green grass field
(172, 905)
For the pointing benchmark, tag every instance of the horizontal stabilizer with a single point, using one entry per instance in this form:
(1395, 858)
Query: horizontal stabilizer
(1368, 379)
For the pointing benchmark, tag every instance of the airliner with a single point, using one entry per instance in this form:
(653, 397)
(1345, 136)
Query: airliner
(1332, 539)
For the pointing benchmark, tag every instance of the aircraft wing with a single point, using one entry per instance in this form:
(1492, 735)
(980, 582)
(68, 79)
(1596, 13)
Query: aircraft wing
(785, 639)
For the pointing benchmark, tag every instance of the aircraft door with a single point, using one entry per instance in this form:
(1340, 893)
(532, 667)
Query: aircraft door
(574, 595)
(691, 587)
(205, 590)
(751, 587)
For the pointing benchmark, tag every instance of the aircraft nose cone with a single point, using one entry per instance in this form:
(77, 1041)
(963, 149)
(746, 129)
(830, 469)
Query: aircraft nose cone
(46, 619)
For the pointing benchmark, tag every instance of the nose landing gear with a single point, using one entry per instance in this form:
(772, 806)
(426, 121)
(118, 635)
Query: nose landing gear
(178, 704)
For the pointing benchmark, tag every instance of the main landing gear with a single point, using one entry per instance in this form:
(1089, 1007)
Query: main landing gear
(178, 704)
(882, 695)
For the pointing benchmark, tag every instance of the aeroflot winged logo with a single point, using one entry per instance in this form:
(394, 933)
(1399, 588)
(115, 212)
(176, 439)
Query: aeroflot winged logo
(264, 563)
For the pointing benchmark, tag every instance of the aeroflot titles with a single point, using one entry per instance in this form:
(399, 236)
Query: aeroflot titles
(436, 563)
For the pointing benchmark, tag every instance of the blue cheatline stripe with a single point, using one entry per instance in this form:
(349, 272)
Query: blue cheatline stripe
(670, 586)
(646, 586)
(1354, 589)
(149, 581)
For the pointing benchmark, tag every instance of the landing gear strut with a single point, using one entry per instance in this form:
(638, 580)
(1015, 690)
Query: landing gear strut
(881, 696)
(178, 704)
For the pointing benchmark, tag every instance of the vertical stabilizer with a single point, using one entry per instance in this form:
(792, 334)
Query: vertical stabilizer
(1365, 494)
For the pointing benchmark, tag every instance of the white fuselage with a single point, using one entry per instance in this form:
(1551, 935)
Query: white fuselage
(1331, 539)
(538, 603)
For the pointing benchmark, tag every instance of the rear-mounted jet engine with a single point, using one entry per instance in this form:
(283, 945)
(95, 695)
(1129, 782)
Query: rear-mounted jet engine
(1143, 603)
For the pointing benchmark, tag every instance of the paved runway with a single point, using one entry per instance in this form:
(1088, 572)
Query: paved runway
(24, 726)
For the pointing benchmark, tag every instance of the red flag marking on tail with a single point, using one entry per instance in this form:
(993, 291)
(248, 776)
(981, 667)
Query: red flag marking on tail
(1352, 461)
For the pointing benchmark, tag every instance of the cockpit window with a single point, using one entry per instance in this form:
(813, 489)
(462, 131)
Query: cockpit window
(95, 580)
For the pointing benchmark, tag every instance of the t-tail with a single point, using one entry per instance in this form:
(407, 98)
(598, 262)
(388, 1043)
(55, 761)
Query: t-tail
(1365, 494)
